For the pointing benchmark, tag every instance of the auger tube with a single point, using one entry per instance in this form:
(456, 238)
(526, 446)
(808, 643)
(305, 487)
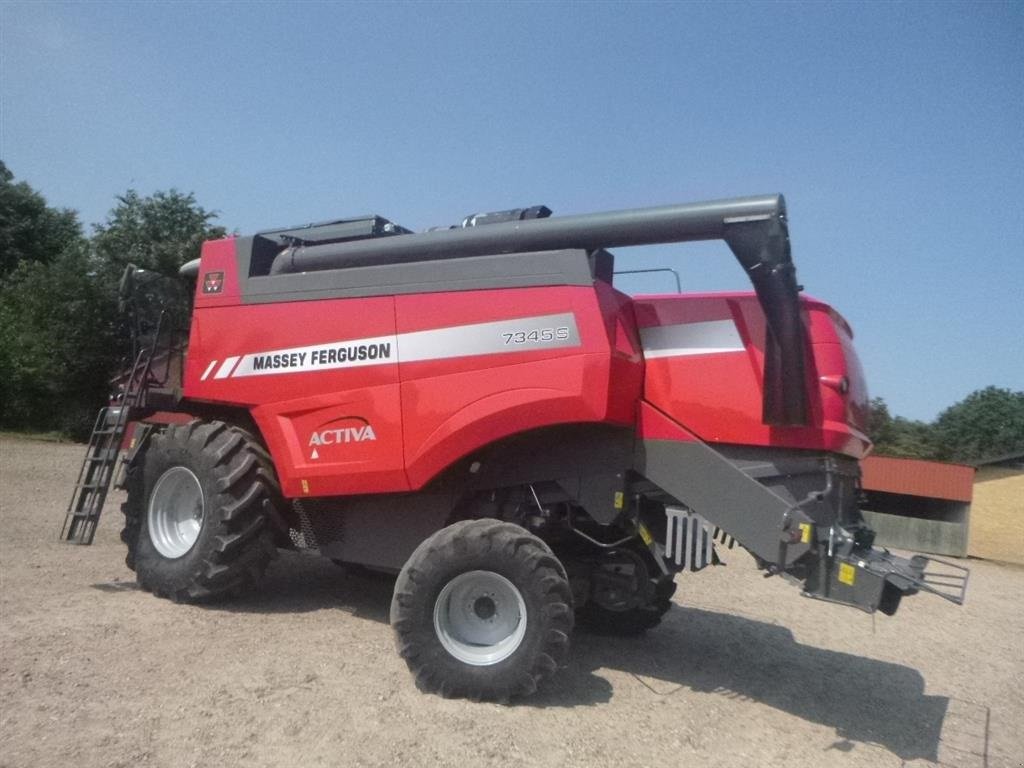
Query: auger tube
(642, 226)
(754, 228)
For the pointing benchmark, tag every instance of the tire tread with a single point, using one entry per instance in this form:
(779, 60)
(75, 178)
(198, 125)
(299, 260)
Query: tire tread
(483, 536)
(244, 511)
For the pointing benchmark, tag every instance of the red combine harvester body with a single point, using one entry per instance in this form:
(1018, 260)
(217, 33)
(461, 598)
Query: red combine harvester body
(436, 376)
(480, 409)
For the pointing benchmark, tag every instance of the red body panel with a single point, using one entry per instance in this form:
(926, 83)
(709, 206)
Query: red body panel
(463, 369)
(455, 404)
(290, 408)
(705, 370)
(370, 395)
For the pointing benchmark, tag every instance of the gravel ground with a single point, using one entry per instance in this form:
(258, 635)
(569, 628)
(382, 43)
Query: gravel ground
(743, 672)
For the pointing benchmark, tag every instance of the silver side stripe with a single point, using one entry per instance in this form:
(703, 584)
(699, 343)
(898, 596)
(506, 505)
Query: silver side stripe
(208, 371)
(703, 338)
(225, 368)
(502, 336)
(520, 335)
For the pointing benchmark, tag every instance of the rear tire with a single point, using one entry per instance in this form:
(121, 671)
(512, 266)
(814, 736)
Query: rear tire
(202, 500)
(482, 610)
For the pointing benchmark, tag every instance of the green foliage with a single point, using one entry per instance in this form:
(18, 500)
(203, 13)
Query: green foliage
(897, 436)
(31, 231)
(60, 341)
(160, 232)
(56, 343)
(879, 422)
(985, 424)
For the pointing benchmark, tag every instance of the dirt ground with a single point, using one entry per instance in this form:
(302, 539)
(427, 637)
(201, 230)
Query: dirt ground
(743, 672)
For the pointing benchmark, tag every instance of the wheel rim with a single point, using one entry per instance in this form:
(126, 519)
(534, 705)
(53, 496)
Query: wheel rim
(480, 618)
(176, 510)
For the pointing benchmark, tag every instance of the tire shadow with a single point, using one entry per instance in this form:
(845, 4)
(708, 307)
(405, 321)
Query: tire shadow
(862, 699)
(301, 583)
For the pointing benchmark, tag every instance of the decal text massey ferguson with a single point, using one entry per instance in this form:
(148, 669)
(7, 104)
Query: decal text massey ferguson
(322, 357)
(503, 336)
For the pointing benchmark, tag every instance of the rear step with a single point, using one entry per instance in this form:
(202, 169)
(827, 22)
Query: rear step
(950, 584)
(873, 579)
(97, 472)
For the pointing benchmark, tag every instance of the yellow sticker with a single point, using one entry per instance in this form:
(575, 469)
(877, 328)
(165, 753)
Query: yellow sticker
(645, 535)
(805, 533)
(305, 486)
(620, 499)
(847, 573)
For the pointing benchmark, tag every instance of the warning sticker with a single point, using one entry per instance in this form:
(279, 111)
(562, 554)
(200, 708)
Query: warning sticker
(645, 535)
(805, 533)
(847, 574)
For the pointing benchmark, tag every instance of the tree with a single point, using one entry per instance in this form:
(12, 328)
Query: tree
(30, 230)
(59, 327)
(160, 232)
(879, 422)
(912, 439)
(157, 233)
(52, 312)
(897, 436)
(56, 343)
(988, 422)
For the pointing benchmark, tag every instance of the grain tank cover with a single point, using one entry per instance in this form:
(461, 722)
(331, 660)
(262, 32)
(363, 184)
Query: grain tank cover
(339, 231)
(269, 244)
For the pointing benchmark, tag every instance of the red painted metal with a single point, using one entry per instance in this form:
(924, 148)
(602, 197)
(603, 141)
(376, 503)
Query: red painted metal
(393, 423)
(652, 424)
(916, 477)
(718, 395)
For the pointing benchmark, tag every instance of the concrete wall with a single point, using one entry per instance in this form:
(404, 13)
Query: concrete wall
(918, 534)
(902, 521)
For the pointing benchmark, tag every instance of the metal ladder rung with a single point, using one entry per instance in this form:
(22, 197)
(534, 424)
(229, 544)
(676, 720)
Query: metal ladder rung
(107, 453)
(101, 455)
(94, 486)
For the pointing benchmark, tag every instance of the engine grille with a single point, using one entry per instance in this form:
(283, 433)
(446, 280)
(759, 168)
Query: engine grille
(319, 523)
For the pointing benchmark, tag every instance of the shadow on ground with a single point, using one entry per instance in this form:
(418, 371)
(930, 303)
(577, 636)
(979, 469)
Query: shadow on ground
(864, 700)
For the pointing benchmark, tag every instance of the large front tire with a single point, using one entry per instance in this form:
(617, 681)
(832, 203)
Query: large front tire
(200, 511)
(482, 610)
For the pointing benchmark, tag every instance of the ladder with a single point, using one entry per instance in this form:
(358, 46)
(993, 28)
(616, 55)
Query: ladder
(97, 472)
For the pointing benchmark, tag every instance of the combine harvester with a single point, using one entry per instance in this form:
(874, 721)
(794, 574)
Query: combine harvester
(479, 410)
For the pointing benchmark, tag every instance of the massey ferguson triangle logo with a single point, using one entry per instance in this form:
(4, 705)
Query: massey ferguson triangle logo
(357, 433)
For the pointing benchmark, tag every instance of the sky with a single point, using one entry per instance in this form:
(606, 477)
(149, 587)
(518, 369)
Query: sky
(895, 131)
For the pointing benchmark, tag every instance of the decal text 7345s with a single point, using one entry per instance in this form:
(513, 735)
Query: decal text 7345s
(536, 336)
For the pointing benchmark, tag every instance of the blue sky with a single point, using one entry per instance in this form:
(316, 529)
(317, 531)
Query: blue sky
(896, 132)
